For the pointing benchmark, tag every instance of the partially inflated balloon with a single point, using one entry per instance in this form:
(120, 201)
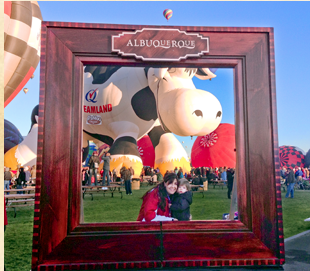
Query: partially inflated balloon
(22, 38)
(12, 136)
(168, 13)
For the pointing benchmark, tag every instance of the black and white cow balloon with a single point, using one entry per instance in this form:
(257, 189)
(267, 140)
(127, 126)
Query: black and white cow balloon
(122, 104)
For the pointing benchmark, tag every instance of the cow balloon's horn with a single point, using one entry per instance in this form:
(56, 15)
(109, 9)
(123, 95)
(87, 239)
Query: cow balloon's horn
(204, 74)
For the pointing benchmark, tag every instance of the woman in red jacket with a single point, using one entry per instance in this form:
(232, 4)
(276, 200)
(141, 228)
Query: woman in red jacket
(155, 201)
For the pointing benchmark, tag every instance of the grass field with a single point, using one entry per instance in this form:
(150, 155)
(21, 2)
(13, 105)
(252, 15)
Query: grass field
(18, 235)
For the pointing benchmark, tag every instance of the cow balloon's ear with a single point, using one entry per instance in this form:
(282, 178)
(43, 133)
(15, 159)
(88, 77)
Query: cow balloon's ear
(204, 74)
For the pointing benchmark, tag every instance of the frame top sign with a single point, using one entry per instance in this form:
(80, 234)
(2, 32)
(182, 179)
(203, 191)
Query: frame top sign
(154, 44)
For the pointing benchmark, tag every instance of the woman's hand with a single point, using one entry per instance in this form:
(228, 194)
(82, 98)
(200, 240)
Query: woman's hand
(174, 219)
(169, 205)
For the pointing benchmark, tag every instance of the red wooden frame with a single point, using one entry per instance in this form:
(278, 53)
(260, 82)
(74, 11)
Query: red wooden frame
(61, 242)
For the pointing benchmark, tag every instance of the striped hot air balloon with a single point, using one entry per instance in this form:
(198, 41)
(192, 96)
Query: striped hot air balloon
(22, 39)
(167, 13)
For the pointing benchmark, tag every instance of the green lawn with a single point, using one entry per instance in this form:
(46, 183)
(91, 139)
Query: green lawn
(18, 235)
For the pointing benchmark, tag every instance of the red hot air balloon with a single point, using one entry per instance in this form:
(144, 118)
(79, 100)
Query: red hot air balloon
(167, 13)
(216, 149)
(291, 157)
(22, 38)
(146, 150)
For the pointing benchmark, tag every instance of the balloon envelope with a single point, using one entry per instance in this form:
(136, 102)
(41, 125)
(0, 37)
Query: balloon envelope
(216, 149)
(146, 150)
(167, 13)
(92, 148)
(12, 136)
(22, 39)
(102, 149)
(291, 157)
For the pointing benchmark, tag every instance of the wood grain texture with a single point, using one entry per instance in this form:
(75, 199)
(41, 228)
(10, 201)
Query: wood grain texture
(60, 241)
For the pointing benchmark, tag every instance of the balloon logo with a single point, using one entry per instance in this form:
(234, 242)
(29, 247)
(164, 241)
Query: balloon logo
(167, 13)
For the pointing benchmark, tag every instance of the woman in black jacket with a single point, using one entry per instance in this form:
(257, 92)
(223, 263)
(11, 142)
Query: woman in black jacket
(21, 180)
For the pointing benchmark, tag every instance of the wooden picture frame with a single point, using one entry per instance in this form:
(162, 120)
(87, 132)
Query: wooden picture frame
(61, 242)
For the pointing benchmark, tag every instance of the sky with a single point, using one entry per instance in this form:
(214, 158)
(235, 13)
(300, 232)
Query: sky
(291, 24)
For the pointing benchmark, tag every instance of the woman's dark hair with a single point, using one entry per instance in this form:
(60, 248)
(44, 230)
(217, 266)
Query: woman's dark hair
(162, 192)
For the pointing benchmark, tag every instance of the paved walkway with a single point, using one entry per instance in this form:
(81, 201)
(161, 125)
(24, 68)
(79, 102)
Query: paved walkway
(297, 257)
(297, 252)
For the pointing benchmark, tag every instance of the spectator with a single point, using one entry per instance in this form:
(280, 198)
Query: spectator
(114, 172)
(160, 177)
(204, 172)
(93, 164)
(7, 179)
(85, 175)
(181, 201)
(106, 168)
(291, 183)
(155, 205)
(20, 180)
(28, 176)
(224, 175)
(132, 173)
(126, 176)
(33, 174)
(298, 176)
(180, 173)
(230, 181)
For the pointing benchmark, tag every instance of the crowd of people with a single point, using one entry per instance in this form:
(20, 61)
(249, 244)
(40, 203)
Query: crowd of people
(91, 173)
(293, 177)
(19, 178)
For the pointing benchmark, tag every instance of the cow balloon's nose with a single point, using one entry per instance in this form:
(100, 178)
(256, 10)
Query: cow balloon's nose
(218, 114)
(198, 113)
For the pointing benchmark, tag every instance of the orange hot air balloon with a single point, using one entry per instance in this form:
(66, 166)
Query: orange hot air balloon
(167, 13)
(22, 38)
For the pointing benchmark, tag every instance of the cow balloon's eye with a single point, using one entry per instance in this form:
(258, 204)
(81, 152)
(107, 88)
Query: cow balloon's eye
(198, 113)
(219, 114)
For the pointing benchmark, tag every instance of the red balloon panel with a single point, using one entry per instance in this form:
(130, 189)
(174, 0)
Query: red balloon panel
(291, 157)
(146, 150)
(216, 149)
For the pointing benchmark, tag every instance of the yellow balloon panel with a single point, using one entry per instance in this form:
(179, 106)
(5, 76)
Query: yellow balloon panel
(172, 164)
(10, 160)
(127, 162)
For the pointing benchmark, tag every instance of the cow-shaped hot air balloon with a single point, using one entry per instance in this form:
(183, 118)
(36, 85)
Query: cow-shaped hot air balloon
(122, 104)
(22, 38)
